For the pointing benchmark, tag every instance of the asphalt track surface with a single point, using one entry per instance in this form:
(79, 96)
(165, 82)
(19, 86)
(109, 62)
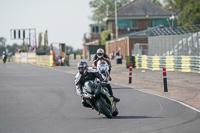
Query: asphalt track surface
(37, 99)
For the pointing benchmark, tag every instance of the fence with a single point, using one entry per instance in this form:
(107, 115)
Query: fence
(175, 45)
(164, 41)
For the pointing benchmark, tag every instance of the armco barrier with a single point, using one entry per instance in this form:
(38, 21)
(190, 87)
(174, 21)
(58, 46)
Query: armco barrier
(171, 63)
(177, 62)
(139, 61)
(185, 64)
(144, 62)
(155, 63)
(136, 62)
(149, 63)
(199, 64)
(194, 63)
(162, 61)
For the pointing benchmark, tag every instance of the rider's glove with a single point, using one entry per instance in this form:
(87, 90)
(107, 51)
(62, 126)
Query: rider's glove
(103, 83)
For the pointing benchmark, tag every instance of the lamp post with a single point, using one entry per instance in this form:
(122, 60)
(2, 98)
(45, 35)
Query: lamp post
(107, 10)
(116, 28)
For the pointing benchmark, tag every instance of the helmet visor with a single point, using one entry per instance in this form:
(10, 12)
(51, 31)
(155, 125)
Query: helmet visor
(81, 68)
(100, 54)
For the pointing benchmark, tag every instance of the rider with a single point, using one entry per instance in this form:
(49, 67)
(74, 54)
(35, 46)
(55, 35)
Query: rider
(86, 74)
(4, 56)
(101, 55)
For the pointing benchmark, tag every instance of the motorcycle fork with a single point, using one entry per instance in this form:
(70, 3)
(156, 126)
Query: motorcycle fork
(109, 100)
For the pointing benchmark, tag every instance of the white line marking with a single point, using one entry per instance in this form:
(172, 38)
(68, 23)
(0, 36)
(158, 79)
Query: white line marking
(162, 97)
(186, 105)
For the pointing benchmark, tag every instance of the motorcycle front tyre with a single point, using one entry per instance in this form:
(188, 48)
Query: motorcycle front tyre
(115, 113)
(103, 109)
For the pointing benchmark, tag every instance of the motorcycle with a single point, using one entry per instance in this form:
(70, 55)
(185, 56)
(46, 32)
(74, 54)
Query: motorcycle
(99, 99)
(103, 68)
(4, 59)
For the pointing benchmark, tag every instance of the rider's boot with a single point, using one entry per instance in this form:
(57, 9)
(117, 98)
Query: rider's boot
(110, 78)
(109, 74)
(116, 99)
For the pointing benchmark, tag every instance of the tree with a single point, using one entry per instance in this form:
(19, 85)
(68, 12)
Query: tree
(175, 4)
(105, 36)
(190, 14)
(2, 48)
(78, 51)
(99, 6)
(156, 2)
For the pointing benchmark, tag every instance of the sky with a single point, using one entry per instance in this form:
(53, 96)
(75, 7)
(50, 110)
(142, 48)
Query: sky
(65, 20)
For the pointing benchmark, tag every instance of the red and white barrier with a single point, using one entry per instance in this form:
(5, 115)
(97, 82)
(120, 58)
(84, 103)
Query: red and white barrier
(165, 80)
(130, 73)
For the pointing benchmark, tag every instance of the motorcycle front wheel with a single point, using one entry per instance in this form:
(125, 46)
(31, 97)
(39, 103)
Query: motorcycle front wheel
(103, 108)
(115, 113)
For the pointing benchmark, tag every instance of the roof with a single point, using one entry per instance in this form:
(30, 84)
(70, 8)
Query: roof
(98, 24)
(141, 8)
(160, 30)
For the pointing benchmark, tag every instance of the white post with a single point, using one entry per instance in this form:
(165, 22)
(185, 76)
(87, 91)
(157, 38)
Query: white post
(116, 28)
(198, 43)
(107, 10)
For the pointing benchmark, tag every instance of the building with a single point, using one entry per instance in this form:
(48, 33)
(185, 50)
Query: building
(136, 16)
(93, 40)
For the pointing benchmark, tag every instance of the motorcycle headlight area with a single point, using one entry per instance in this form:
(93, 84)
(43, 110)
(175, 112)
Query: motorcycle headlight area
(89, 87)
(103, 68)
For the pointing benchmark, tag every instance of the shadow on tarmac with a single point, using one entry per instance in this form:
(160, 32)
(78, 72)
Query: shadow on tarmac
(134, 117)
(122, 88)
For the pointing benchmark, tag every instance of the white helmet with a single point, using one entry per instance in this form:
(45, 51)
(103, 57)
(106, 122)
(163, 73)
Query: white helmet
(4, 52)
(100, 53)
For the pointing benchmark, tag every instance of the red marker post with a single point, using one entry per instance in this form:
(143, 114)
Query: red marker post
(165, 80)
(130, 73)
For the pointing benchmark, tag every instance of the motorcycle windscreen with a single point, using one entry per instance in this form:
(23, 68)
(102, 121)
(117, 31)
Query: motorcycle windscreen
(89, 87)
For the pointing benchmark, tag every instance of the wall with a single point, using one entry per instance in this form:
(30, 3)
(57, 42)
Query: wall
(85, 48)
(120, 44)
(31, 57)
(124, 45)
(85, 51)
(142, 25)
(24, 57)
(134, 41)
